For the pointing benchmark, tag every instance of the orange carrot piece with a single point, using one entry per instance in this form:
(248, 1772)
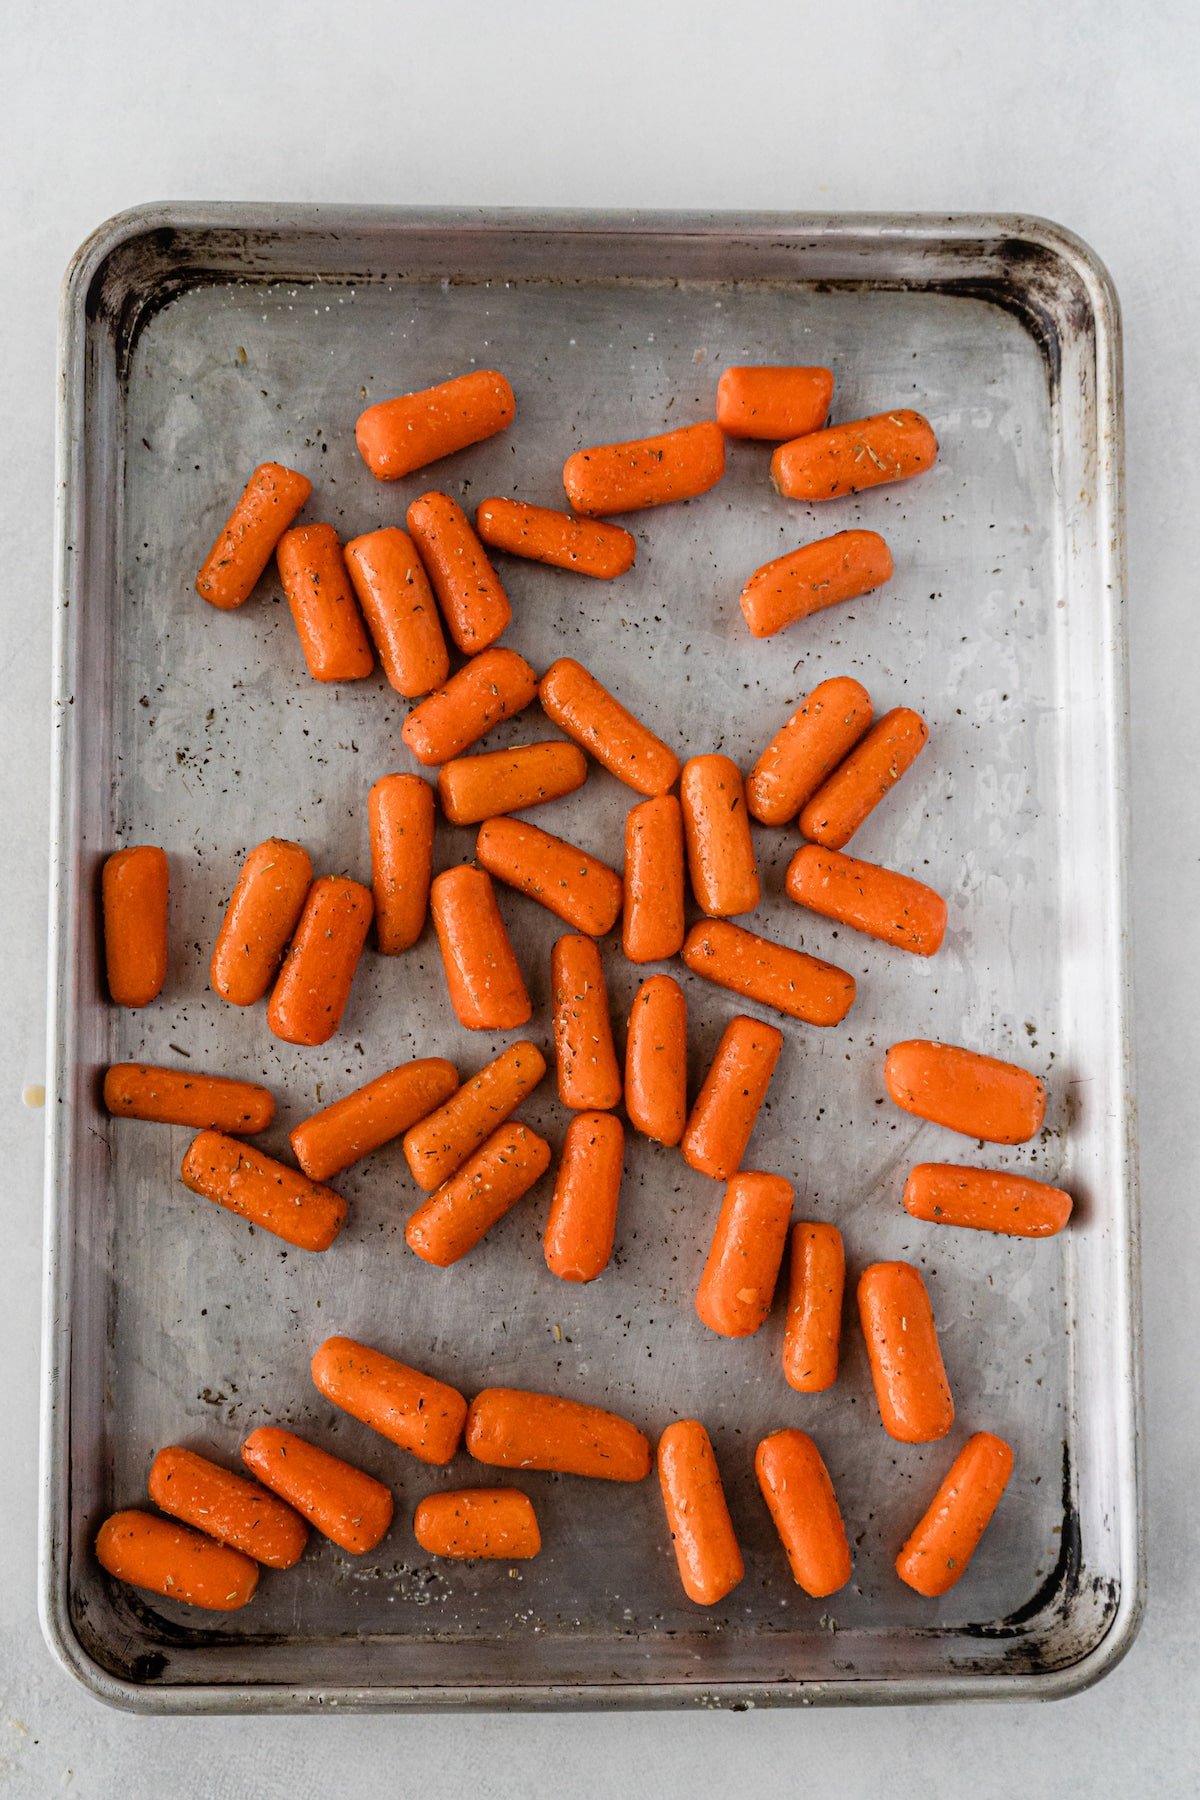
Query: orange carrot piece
(331, 1140)
(134, 888)
(702, 1534)
(583, 545)
(397, 602)
(947, 1535)
(803, 1507)
(723, 1118)
(269, 502)
(469, 591)
(178, 1097)
(227, 1507)
(738, 1283)
(583, 1213)
(978, 1095)
(772, 402)
(847, 458)
(510, 1428)
(652, 471)
(806, 581)
(716, 829)
(884, 904)
(329, 625)
(313, 986)
(820, 733)
(343, 1503)
(798, 985)
(911, 1388)
(400, 821)
(259, 920)
(169, 1559)
(473, 1524)
(652, 924)
(813, 1333)
(872, 769)
(415, 1411)
(474, 788)
(439, 1145)
(588, 1077)
(396, 437)
(589, 714)
(246, 1181)
(484, 980)
(576, 887)
(449, 1224)
(492, 687)
(656, 1061)
(985, 1200)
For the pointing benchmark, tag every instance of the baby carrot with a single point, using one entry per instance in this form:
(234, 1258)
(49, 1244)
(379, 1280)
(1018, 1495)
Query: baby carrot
(469, 591)
(134, 903)
(317, 586)
(449, 1224)
(727, 1105)
(702, 1535)
(803, 1506)
(652, 923)
(473, 788)
(168, 1559)
(400, 821)
(872, 769)
(884, 904)
(738, 1282)
(439, 1145)
(585, 545)
(492, 687)
(675, 465)
(844, 459)
(259, 920)
(978, 1095)
(337, 1136)
(395, 437)
(792, 982)
(509, 1428)
(313, 986)
(656, 1060)
(823, 729)
(716, 829)
(583, 1213)
(486, 987)
(178, 1097)
(773, 402)
(343, 1503)
(227, 1507)
(947, 1536)
(576, 887)
(587, 712)
(412, 1410)
(985, 1200)
(914, 1398)
(393, 591)
(817, 575)
(496, 1524)
(588, 1077)
(269, 502)
(813, 1333)
(252, 1184)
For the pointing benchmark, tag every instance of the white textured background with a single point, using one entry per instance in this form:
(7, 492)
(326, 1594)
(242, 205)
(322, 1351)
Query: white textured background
(1086, 113)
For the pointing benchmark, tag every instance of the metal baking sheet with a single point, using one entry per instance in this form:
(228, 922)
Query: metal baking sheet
(198, 341)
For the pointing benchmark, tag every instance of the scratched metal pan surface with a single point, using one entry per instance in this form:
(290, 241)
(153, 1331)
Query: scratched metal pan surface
(198, 342)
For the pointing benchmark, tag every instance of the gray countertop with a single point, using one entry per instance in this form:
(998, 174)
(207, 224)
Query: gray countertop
(1085, 114)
